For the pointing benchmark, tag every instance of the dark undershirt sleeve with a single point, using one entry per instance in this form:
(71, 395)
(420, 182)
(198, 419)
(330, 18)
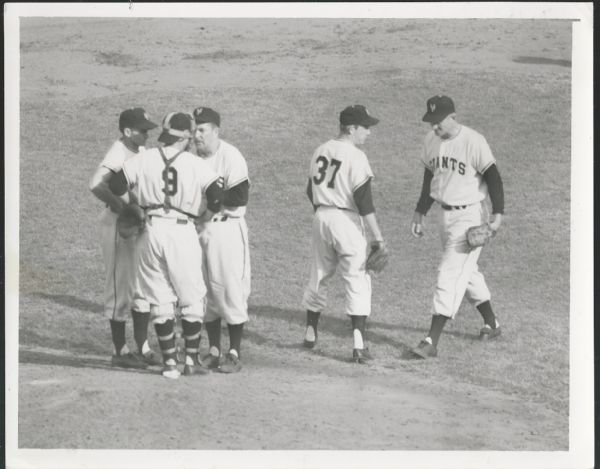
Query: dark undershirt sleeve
(237, 196)
(495, 188)
(425, 201)
(310, 194)
(118, 183)
(214, 196)
(363, 198)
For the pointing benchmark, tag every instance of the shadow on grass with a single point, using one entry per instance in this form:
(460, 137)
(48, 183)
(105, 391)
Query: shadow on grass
(341, 327)
(260, 339)
(542, 61)
(32, 338)
(72, 302)
(59, 359)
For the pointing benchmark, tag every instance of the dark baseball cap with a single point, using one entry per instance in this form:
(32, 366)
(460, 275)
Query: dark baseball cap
(176, 125)
(357, 114)
(202, 115)
(135, 118)
(438, 108)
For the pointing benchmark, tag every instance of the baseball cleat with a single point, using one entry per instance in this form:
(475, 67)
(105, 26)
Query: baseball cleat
(310, 340)
(309, 344)
(231, 364)
(171, 372)
(190, 370)
(128, 360)
(424, 350)
(361, 356)
(151, 358)
(210, 361)
(487, 333)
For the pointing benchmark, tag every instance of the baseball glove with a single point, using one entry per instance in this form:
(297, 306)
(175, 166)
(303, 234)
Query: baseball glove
(378, 257)
(479, 235)
(131, 220)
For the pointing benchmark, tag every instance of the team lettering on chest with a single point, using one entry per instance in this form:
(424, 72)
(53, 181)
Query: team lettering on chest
(449, 163)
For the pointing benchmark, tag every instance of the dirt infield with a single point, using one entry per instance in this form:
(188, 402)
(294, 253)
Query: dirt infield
(294, 402)
(279, 85)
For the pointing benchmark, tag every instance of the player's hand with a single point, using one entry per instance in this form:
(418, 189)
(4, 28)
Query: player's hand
(416, 227)
(495, 222)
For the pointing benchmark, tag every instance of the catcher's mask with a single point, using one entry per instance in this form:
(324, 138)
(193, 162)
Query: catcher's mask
(176, 125)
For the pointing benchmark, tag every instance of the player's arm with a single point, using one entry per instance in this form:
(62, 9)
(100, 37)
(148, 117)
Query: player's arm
(496, 191)
(118, 183)
(100, 185)
(309, 193)
(214, 200)
(423, 205)
(363, 198)
(237, 196)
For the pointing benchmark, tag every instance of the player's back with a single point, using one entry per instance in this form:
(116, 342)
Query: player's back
(180, 181)
(337, 169)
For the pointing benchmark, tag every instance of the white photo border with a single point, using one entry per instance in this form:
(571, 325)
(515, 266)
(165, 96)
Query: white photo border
(581, 415)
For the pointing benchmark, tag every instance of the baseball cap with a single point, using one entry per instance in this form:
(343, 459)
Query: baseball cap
(176, 125)
(202, 115)
(135, 118)
(438, 108)
(357, 114)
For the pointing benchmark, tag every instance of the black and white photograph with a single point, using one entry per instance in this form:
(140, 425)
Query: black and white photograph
(299, 235)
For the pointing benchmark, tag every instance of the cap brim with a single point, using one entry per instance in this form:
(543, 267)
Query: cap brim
(166, 138)
(433, 118)
(147, 125)
(371, 121)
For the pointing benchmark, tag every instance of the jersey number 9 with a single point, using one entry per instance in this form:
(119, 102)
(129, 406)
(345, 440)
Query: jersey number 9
(323, 164)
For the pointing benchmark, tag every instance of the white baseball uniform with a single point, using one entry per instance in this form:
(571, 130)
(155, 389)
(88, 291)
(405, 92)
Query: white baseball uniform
(169, 252)
(337, 169)
(225, 245)
(457, 165)
(119, 253)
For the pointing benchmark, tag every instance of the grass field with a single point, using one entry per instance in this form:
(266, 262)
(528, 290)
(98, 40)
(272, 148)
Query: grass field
(279, 86)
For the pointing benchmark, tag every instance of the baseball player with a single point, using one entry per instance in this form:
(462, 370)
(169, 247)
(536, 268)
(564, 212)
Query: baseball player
(118, 253)
(225, 247)
(460, 172)
(339, 188)
(170, 184)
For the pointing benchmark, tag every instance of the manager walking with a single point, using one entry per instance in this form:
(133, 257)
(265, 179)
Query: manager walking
(460, 171)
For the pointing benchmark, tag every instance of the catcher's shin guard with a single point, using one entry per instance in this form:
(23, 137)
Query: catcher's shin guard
(166, 340)
(191, 336)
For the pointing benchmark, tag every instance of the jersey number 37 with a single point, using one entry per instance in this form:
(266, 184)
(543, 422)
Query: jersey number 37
(323, 165)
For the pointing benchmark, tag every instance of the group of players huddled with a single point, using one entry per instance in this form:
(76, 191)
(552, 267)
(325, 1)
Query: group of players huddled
(190, 263)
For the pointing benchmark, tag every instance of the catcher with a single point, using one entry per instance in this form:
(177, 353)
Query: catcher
(460, 173)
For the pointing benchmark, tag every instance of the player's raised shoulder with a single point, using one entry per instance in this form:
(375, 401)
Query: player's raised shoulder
(472, 133)
(231, 151)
